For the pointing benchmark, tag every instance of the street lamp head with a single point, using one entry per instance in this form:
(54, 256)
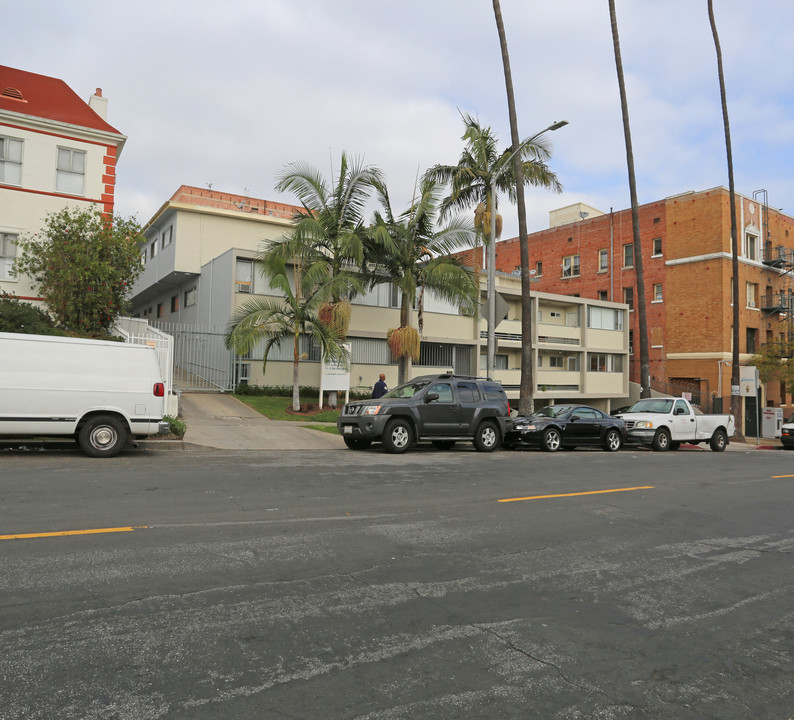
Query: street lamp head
(557, 125)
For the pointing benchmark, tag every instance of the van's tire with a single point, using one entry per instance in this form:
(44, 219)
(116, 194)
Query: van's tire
(661, 441)
(398, 436)
(103, 436)
(612, 441)
(551, 440)
(486, 438)
(719, 441)
(444, 444)
(357, 443)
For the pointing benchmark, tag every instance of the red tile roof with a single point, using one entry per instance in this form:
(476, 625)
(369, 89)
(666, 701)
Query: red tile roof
(228, 201)
(46, 97)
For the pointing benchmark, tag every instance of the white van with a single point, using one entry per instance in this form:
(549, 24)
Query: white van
(98, 392)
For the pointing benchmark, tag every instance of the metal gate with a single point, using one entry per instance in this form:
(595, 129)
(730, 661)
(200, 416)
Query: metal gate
(201, 358)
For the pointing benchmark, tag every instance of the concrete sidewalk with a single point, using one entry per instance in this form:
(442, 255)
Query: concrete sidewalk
(223, 422)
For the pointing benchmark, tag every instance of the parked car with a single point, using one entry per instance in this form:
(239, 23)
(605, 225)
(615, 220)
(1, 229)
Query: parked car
(440, 408)
(787, 434)
(664, 423)
(567, 426)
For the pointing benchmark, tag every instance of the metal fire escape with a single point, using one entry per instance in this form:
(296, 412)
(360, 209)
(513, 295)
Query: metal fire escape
(779, 260)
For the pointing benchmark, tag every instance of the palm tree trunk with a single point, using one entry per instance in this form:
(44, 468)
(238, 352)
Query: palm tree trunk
(296, 399)
(645, 365)
(404, 363)
(527, 391)
(736, 400)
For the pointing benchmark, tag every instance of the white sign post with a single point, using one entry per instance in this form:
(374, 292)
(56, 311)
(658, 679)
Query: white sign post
(748, 382)
(335, 374)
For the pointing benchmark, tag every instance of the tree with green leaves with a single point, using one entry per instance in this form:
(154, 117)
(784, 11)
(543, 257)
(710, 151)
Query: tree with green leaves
(83, 264)
(306, 287)
(409, 252)
(330, 230)
(775, 361)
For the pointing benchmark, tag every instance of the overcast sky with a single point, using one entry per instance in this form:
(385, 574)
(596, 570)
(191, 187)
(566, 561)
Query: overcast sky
(228, 93)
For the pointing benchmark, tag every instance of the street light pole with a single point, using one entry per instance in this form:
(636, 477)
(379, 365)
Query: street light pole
(491, 344)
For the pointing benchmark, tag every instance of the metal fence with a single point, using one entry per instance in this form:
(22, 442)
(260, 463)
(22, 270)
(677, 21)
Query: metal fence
(201, 359)
(139, 332)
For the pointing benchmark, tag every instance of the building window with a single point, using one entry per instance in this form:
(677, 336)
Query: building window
(144, 257)
(10, 161)
(395, 296)
(752, 295)
(570, 266)
(190, 297)
(244, 279)
(70, 177)
(628, 255)
(599, 318)
(159, 310)
(603, 295)
(657, 247)
(752, 340)
(8, 251)
(174, 303)
(539, 269)
(631, 342)
(603, 260)
(153, 249)
(628, 297)
(605, 362)
(657, 292)
(167, 236)
(555, 361)
(751, 246)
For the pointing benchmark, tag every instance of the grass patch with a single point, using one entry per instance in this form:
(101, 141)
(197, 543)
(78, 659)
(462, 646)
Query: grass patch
(280, 408)
(323, 428)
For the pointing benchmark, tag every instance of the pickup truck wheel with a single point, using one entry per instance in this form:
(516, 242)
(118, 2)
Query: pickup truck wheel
(357, 443)
(398, 436)
(551, 440)
(102, 436)
(486, 439)
(661, 441)
(444, 444)
(719, 441)
(612, 441)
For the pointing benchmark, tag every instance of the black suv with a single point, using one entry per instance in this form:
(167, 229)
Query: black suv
(439, 408)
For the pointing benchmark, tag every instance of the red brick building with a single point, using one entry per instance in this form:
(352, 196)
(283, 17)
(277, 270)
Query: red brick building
(686, 252)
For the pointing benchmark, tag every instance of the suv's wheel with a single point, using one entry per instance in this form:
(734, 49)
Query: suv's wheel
(612, 441)
(102, 436)
(357, 443)
(719, 441)
(551, 440)
(661, 441)
(444, 444)
(486, 438)
(398, 436)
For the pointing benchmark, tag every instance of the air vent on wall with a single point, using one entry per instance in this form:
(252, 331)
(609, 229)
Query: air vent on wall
(13, 94)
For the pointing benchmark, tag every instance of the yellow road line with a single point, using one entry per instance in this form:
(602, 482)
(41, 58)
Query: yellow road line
(73, 532)
(588, 492)
(782, 476)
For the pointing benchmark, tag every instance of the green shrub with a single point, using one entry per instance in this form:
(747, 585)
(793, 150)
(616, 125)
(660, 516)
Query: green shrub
(17, 316)
(176, 425)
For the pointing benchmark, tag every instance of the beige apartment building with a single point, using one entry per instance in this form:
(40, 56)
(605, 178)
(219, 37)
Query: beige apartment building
(200, 266)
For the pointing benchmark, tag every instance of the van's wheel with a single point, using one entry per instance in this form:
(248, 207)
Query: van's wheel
(661, 441)
(486, 439)
(551, 440)
(612, 441)
(102, 436)
(444, 444)
(398, 436)
(357, 443)
(719, 441)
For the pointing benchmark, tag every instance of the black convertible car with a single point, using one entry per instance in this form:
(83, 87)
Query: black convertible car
(558, 426)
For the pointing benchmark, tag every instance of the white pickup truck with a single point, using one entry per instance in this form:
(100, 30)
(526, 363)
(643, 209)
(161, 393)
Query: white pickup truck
(665, 423)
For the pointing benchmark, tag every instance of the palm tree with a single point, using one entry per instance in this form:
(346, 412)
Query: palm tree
(482, 168)
(736, 401)
(330, 230)
(276, 321)
(408, 252)
(645, 366)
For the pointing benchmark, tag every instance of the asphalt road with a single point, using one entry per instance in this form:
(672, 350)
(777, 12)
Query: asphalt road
(338, 584)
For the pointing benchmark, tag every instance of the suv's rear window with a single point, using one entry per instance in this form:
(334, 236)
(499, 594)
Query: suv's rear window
(494, 391)
(468, 393)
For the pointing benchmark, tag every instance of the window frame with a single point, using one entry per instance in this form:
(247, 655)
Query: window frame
(8, 259)
(571, 266)
(4, 160)
(628, 263)
(653, 245)
(603, 260)
(69, 173)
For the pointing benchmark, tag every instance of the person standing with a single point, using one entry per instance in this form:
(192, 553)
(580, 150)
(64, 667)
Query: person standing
(380, 388)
